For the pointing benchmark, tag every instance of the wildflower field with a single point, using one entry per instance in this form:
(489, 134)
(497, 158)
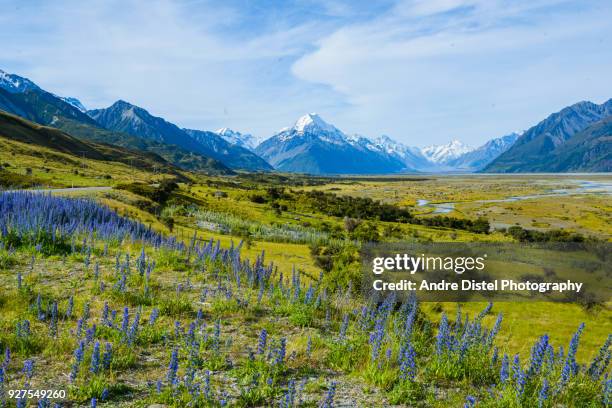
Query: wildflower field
(105, 311)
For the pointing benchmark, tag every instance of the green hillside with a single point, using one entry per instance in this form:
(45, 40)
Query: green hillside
(46, 109)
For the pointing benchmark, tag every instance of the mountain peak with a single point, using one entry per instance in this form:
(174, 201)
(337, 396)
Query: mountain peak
(312, 122)
(121, 104)
(16, 84)
(245, 140)
(442, 154)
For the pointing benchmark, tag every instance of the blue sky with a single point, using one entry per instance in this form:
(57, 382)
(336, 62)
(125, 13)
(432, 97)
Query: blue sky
(421, 71)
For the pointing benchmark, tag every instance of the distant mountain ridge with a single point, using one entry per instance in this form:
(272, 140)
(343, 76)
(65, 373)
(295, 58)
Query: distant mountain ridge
(234, 155)
(136, 121)
(443, 154)
(480, 157)
(536, 148)
(245, 140)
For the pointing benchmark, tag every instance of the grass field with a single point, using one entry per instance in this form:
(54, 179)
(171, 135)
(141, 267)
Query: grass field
(329, 357)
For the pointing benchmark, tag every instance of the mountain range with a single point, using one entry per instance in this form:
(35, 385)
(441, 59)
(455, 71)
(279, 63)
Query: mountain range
(314, 146)
(133, 120)
(577, 138)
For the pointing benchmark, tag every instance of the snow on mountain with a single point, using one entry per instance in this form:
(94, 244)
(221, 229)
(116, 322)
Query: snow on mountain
(245, 140)
(15, 84)
(443, 154)
(313, 125)
(478, 158)
(74, 102)
(410, 155)
(314, 146)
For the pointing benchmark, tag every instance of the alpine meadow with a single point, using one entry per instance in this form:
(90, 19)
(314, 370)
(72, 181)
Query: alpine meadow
(149, 260)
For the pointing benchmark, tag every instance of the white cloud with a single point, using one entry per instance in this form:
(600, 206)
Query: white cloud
(473, 74)
(422, 71)
(169, 58)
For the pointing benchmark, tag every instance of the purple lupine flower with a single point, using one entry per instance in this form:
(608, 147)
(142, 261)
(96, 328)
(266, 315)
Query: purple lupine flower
(104, 394)
(261, 343)
(344, 327)
(571, 367)
(443, 335)
(494, 330)
(289, 399)
(90, 333)
(105, 312)
(39, 311)
(607, 393)
(94, 402)
(470, 402)
(79, 329)
(95, 358)
(126, 320)
(573, 348)
(86, 312)
(78, 358)
(206, 386)
(108, 355)
(153, 317)
(328, 402)
(601, 360)
(53, 321)
(131, 336)
(173, 367)
(280, 352)
(28, 369)
(504, 372)
(519, 376)
(543, 395)
(407, 363)
(537, 356)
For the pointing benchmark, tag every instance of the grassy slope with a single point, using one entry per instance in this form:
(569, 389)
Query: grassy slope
(46, 109)
(20, 130)
(52, 168)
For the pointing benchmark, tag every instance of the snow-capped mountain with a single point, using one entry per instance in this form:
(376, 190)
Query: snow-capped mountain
(233, 155)
(314, 146)
(74, 102)
(443, 154)
(16, 84)
(479, 158)
(411, 156)
(246, 140)
(312, 125)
